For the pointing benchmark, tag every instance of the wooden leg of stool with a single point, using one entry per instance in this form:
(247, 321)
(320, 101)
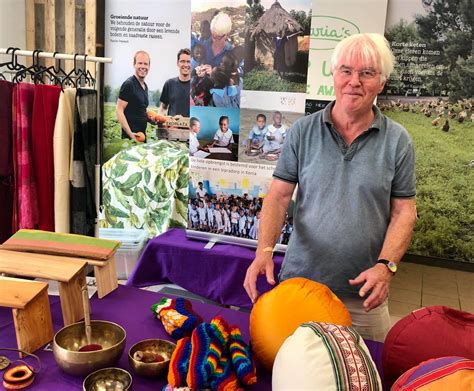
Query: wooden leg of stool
(71, 298)
(106, 278)
(33, 324)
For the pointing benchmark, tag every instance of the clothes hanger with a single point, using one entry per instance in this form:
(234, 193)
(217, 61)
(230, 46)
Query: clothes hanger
(68, 80)
(29, 71)
(49, 72)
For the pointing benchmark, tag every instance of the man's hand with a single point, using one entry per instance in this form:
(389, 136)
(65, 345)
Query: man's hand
(377, 280)
(262, 264)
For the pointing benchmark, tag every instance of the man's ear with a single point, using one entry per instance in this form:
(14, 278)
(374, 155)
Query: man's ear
(382, 86)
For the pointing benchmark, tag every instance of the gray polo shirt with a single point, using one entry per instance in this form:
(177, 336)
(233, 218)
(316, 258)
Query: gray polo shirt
(342, 208)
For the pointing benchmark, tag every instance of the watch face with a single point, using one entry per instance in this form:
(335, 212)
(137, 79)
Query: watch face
(392, 267)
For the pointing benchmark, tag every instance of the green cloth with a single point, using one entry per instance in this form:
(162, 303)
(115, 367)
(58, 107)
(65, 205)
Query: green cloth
(45, 242)
(146, 187)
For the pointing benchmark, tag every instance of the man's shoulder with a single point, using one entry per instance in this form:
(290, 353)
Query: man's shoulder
(393, 129)
(129, 82)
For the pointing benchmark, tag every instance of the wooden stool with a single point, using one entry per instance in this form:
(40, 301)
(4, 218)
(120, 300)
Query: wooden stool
(31, 312)
(105, 275)
(69, 272)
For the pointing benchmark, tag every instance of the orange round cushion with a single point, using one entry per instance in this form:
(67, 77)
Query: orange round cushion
(279, 312)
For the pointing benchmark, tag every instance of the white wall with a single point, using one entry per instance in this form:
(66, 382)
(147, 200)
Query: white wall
(12, 24)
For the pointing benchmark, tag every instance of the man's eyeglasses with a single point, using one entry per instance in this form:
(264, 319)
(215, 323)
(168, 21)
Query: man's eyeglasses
(364, 74)
(218, 37)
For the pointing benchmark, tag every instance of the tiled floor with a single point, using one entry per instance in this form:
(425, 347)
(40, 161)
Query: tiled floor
(416, 286)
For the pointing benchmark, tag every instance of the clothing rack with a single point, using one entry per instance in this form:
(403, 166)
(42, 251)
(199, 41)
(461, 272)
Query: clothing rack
(83, 58)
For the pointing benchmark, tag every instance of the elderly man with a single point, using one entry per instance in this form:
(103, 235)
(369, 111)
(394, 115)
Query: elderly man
(355, 208)
(217, 45)
(133, 98)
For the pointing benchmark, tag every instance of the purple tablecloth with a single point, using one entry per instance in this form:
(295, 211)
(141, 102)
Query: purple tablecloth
(217, 274)
(129, 307)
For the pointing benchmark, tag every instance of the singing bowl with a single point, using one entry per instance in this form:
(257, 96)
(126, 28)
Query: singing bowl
(108, 379)
(70, 339)
(156, 346)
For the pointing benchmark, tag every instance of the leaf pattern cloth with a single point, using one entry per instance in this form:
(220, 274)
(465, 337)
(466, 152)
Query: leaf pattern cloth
(146, 187)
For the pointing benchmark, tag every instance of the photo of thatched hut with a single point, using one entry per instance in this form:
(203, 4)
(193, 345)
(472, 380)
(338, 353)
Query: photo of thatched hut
(275, 43)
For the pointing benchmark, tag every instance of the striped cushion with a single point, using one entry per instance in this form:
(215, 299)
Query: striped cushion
(325, 357)
(45, 242)
(439, 374)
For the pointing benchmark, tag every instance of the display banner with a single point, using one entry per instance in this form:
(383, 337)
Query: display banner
(331, 22)
(146, 93)
(248, 87)
(252, 69)
(430, 93)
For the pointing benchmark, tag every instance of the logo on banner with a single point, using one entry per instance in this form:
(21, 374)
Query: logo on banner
(327, 31)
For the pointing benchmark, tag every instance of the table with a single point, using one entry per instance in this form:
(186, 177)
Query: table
(130, 307)
(172, 258)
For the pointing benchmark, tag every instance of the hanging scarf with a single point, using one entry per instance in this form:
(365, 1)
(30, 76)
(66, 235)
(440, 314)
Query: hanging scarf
(83, 208)
(25, 185)
(45, 107)
(6, 160)
(62, 142)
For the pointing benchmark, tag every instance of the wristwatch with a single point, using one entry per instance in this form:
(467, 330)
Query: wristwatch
(392, 266)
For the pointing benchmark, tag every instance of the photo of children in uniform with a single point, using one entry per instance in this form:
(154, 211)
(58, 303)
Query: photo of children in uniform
(229, 214)
(217, 54)
(263, 134)
(214, 133)
(277, 45)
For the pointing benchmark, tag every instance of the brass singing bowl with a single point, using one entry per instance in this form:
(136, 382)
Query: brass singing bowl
(156, 346)
(108, 379)
(70, 339)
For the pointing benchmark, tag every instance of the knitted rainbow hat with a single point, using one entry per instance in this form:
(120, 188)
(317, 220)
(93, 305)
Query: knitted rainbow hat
(179, 363)
(241, 356)
(215, 356)
(177, 316)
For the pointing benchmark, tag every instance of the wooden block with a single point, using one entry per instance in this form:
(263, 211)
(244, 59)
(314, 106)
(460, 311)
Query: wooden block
(106, 277)
(31, 311)
(71, 298)
(33, 324)
(17, 293)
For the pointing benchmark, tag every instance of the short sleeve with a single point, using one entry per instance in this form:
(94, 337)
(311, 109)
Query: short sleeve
(164, 97)
(216, 136)
(403, 184)
(288, 162)
(126, 91)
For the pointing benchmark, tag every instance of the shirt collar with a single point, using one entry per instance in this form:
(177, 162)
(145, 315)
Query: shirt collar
(377, 123)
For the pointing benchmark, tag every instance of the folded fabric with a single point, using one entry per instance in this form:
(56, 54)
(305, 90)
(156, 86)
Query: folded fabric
(177, 316)
(45, 242)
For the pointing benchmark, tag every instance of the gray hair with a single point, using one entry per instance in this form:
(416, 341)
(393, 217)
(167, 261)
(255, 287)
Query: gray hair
(221, 24)
(370, 48)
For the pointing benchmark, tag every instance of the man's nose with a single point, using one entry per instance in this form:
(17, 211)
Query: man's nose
(355, 78)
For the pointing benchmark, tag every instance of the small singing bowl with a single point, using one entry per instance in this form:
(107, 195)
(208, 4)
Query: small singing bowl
(70, 339)
(150, 349)
(108, 379)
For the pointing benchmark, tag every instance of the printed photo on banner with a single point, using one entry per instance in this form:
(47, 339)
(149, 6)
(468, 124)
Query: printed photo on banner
(146, 111)
(264, 127)
(217, 53)
(147, 86)
(277, 45)
(214, 133)
(227, 199)
(430, 94)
